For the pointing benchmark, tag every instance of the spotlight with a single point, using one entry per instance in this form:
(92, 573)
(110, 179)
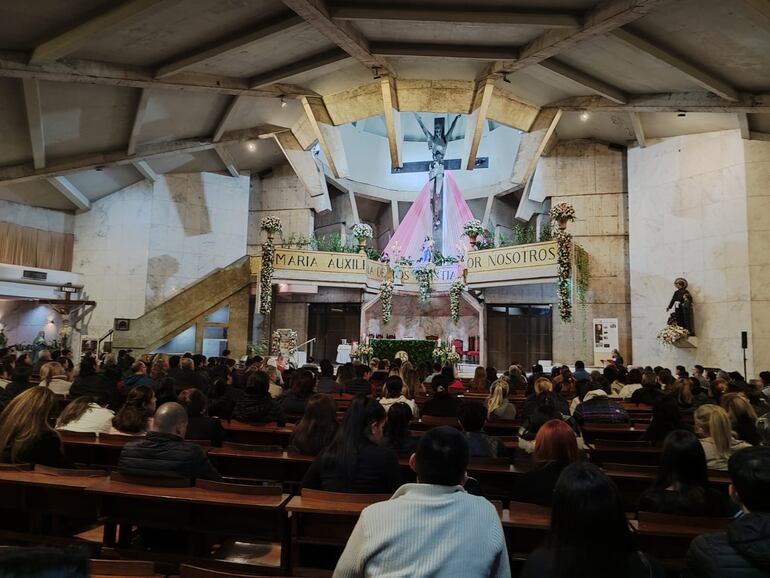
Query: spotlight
(283, 102)
(585, 115)
(376, 73)
(251, 146)
(681, 114)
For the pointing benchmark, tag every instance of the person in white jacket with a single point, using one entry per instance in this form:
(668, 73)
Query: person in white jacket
(393, 394)
(431, 528)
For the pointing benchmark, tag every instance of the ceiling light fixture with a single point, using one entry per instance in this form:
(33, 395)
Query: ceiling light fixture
(251, 146)
(585, 115)
(283, 102)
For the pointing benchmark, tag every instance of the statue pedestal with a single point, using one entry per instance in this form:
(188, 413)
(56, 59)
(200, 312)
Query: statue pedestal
(690, 342)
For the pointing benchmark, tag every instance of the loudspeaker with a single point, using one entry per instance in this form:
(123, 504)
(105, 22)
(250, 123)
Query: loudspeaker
(745, 339)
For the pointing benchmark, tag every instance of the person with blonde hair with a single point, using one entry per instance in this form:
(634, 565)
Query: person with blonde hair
(25, 434)
(412, 384)
(719, 443)
(516, 377)
(682, 392)
(498, 406)
(54, 377)
(742, 416)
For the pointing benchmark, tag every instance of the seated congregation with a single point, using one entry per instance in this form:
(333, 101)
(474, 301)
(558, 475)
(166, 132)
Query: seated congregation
(596, 453)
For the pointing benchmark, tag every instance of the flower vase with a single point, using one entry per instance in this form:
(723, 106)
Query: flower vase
(472, 239)
(562, 224)
(362, 246)
(270, 236)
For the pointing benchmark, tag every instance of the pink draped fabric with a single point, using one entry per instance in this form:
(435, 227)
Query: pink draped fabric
(456, 214)
(408, 239)
(418, 223)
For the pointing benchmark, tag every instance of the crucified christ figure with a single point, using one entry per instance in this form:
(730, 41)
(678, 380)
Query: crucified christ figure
(437, 142)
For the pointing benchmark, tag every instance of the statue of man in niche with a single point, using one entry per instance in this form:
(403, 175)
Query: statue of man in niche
(437, 143)
(681, 303)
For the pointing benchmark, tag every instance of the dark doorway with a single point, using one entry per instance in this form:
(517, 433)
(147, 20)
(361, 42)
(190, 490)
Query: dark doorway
(520, 333)
(330, 323)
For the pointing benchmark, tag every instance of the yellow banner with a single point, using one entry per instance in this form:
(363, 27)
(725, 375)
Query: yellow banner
(319, 261)
(515, 257)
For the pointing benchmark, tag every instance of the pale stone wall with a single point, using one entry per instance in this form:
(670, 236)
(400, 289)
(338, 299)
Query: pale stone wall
(339, 220)
(757, 157)
(591, 177)
(281, 194)
(688, 213)
(141, 245)
(36, 217)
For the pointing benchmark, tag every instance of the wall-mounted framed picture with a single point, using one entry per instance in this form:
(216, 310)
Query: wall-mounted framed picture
(122, 324)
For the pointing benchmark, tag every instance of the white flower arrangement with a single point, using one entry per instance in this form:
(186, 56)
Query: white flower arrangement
(266, 279)
(362, 231)
(473, 228)
(362, 351)
(670, 334)
(386, 295)
(271, 224)
(292, 339)
(455, 290)
(562, 212)
(445, 353)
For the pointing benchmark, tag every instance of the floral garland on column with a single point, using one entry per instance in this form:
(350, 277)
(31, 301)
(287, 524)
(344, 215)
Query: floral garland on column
(455, 290)
(424, 274)
(266, 279)
(271, 225)
(562, 213)
(386, 295)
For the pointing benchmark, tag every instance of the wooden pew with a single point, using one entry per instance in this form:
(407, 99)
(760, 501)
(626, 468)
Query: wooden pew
(321, 523)
(262, 434)
(122, 568)
(621, 432)
(206, 512)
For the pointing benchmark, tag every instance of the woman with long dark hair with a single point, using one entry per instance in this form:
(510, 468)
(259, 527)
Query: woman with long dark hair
(590, 536)
(666, 417)
(682, 486)
(316, 430)
(302, 387)
(135, 417)
(397, 434)
(355, 462)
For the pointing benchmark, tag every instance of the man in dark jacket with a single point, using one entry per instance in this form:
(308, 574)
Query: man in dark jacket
(256, 405)
(361, 383)
(138, 377)
(186, 376)
(164, 453)
(744, 551)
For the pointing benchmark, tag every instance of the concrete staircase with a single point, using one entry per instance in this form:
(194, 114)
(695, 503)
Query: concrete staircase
(160, 324)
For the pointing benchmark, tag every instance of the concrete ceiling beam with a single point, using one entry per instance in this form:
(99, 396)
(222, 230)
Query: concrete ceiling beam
(752, 103)
(586, 80)
(537, 18)
(34, 121)
(226, 46)
(26, 172)
(599, 20)
(343, 34)
(265, 79)
(693, 72)
(14, 65)
(124, 14)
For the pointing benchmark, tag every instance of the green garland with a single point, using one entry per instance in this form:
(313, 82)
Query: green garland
(386, 295)
(582, 273)
(455, 290)
(424, 277)
(266, 279)
(564, 243)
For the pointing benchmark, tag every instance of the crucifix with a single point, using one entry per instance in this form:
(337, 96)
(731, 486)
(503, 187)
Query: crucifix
(437, 143)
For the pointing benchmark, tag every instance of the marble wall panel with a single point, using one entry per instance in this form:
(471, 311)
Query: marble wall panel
(688, 217)
(36, 217)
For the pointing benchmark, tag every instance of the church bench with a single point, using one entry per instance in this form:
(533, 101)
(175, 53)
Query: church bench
(189, 571)
(122, 568)
(592, 431)
(321, 523)
(204, 513)
(258, 434)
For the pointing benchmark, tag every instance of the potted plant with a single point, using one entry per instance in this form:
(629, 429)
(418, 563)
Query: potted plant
(362, 233)
(562, 213)
(473, 229)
